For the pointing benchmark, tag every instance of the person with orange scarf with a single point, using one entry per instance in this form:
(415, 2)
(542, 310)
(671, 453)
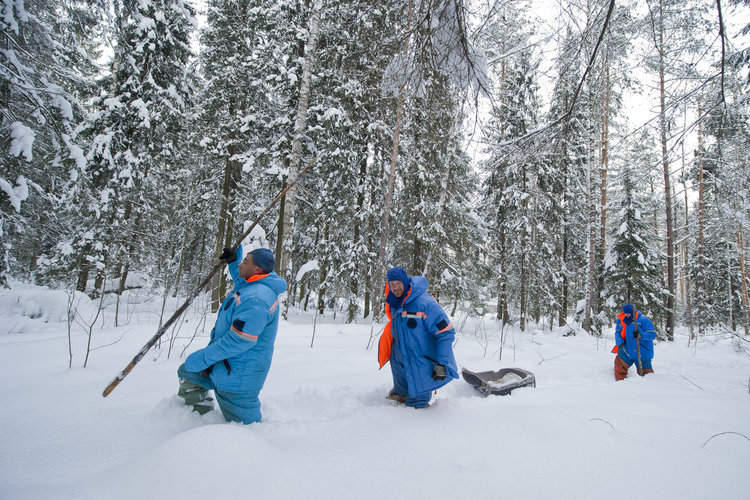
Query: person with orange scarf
(418, 340)
(634, 336)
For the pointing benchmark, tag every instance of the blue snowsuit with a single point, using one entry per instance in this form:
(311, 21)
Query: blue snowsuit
(241, 345)
(422, 336)
(626, 347)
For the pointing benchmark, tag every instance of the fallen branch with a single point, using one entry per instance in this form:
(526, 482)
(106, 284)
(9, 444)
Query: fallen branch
(721, 434)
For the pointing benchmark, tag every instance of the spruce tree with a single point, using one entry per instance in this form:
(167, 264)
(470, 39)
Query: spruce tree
(631, 270)
(46, 70)
(134, 136)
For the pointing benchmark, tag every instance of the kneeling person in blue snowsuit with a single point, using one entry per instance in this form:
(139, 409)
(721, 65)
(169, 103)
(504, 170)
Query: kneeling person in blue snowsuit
(633, 331)
(418, 340)
(237, 359)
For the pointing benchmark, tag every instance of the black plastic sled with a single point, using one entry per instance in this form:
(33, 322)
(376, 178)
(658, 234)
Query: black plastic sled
(501, 382)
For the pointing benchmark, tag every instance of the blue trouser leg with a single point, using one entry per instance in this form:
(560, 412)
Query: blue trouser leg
(400, 385)
(645, 363)
(241, 407)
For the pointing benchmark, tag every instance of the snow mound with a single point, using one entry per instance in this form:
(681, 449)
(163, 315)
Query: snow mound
(31, 309)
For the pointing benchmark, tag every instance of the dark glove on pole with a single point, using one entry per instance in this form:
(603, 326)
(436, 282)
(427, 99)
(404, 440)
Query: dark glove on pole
(438, 373)
(636, 334)
(227, 256)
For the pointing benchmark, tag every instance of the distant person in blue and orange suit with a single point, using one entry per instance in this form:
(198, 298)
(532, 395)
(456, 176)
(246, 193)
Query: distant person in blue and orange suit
(633, 330)
(237, 359)
(418, 340)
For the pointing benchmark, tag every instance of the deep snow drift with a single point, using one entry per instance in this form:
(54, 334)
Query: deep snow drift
(682, 433)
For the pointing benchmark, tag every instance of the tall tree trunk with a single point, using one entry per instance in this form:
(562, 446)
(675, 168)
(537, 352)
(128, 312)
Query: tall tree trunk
(525, 244)
(380, 268)
(563, 315)
(743, 281)
(670, 320)
(126, 264)
(603, 176)
(286, 230)
(591, 278)
(219, 279)
(502, 296)
(322, 288)
(84, 266)
(353, 284)
(700, 285)
(685, 288)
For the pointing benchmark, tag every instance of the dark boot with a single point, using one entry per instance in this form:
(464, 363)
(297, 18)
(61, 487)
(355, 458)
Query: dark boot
(396, 397)
(646, 370)
(195, 396)
(621, 368)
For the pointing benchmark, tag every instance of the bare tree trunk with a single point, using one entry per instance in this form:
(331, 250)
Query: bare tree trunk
(391, 179)
(219, 279)
(700, 287)
(563, 315)
(743, 280)
(353, 285)
(685, 288)
(502, 295)
(84, 266)
(670, 320)
(181, 262)
(683, 260)
(525, 244)
(286, 229)
(603, 176)
(591, 279)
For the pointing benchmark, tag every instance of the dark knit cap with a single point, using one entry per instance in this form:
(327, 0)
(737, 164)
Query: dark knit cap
(398, 274)
(263, 258)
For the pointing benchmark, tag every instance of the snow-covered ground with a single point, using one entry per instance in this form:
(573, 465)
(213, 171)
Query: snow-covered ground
(328, 433)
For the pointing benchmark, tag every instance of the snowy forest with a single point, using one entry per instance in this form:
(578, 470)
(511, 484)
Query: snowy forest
(539, 160)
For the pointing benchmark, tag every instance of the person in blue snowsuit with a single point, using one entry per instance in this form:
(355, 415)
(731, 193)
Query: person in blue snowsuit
(628, 338)
(237, 359)
(418, 340)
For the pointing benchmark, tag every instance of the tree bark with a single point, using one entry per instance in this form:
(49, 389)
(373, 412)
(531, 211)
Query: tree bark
(391, 179)
(591, 278)
(603, 177)
(219, 278)
(670, 319)
(700, 288)
(743, 281)
(286, 230)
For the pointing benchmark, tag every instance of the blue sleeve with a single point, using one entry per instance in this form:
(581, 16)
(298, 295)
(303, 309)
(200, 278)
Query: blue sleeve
(646, 328)
(247, 324)
(440, 325)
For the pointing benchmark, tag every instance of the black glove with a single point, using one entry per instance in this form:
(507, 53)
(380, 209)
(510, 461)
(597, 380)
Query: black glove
(438, 373)
(227, 256)
(636, 334)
